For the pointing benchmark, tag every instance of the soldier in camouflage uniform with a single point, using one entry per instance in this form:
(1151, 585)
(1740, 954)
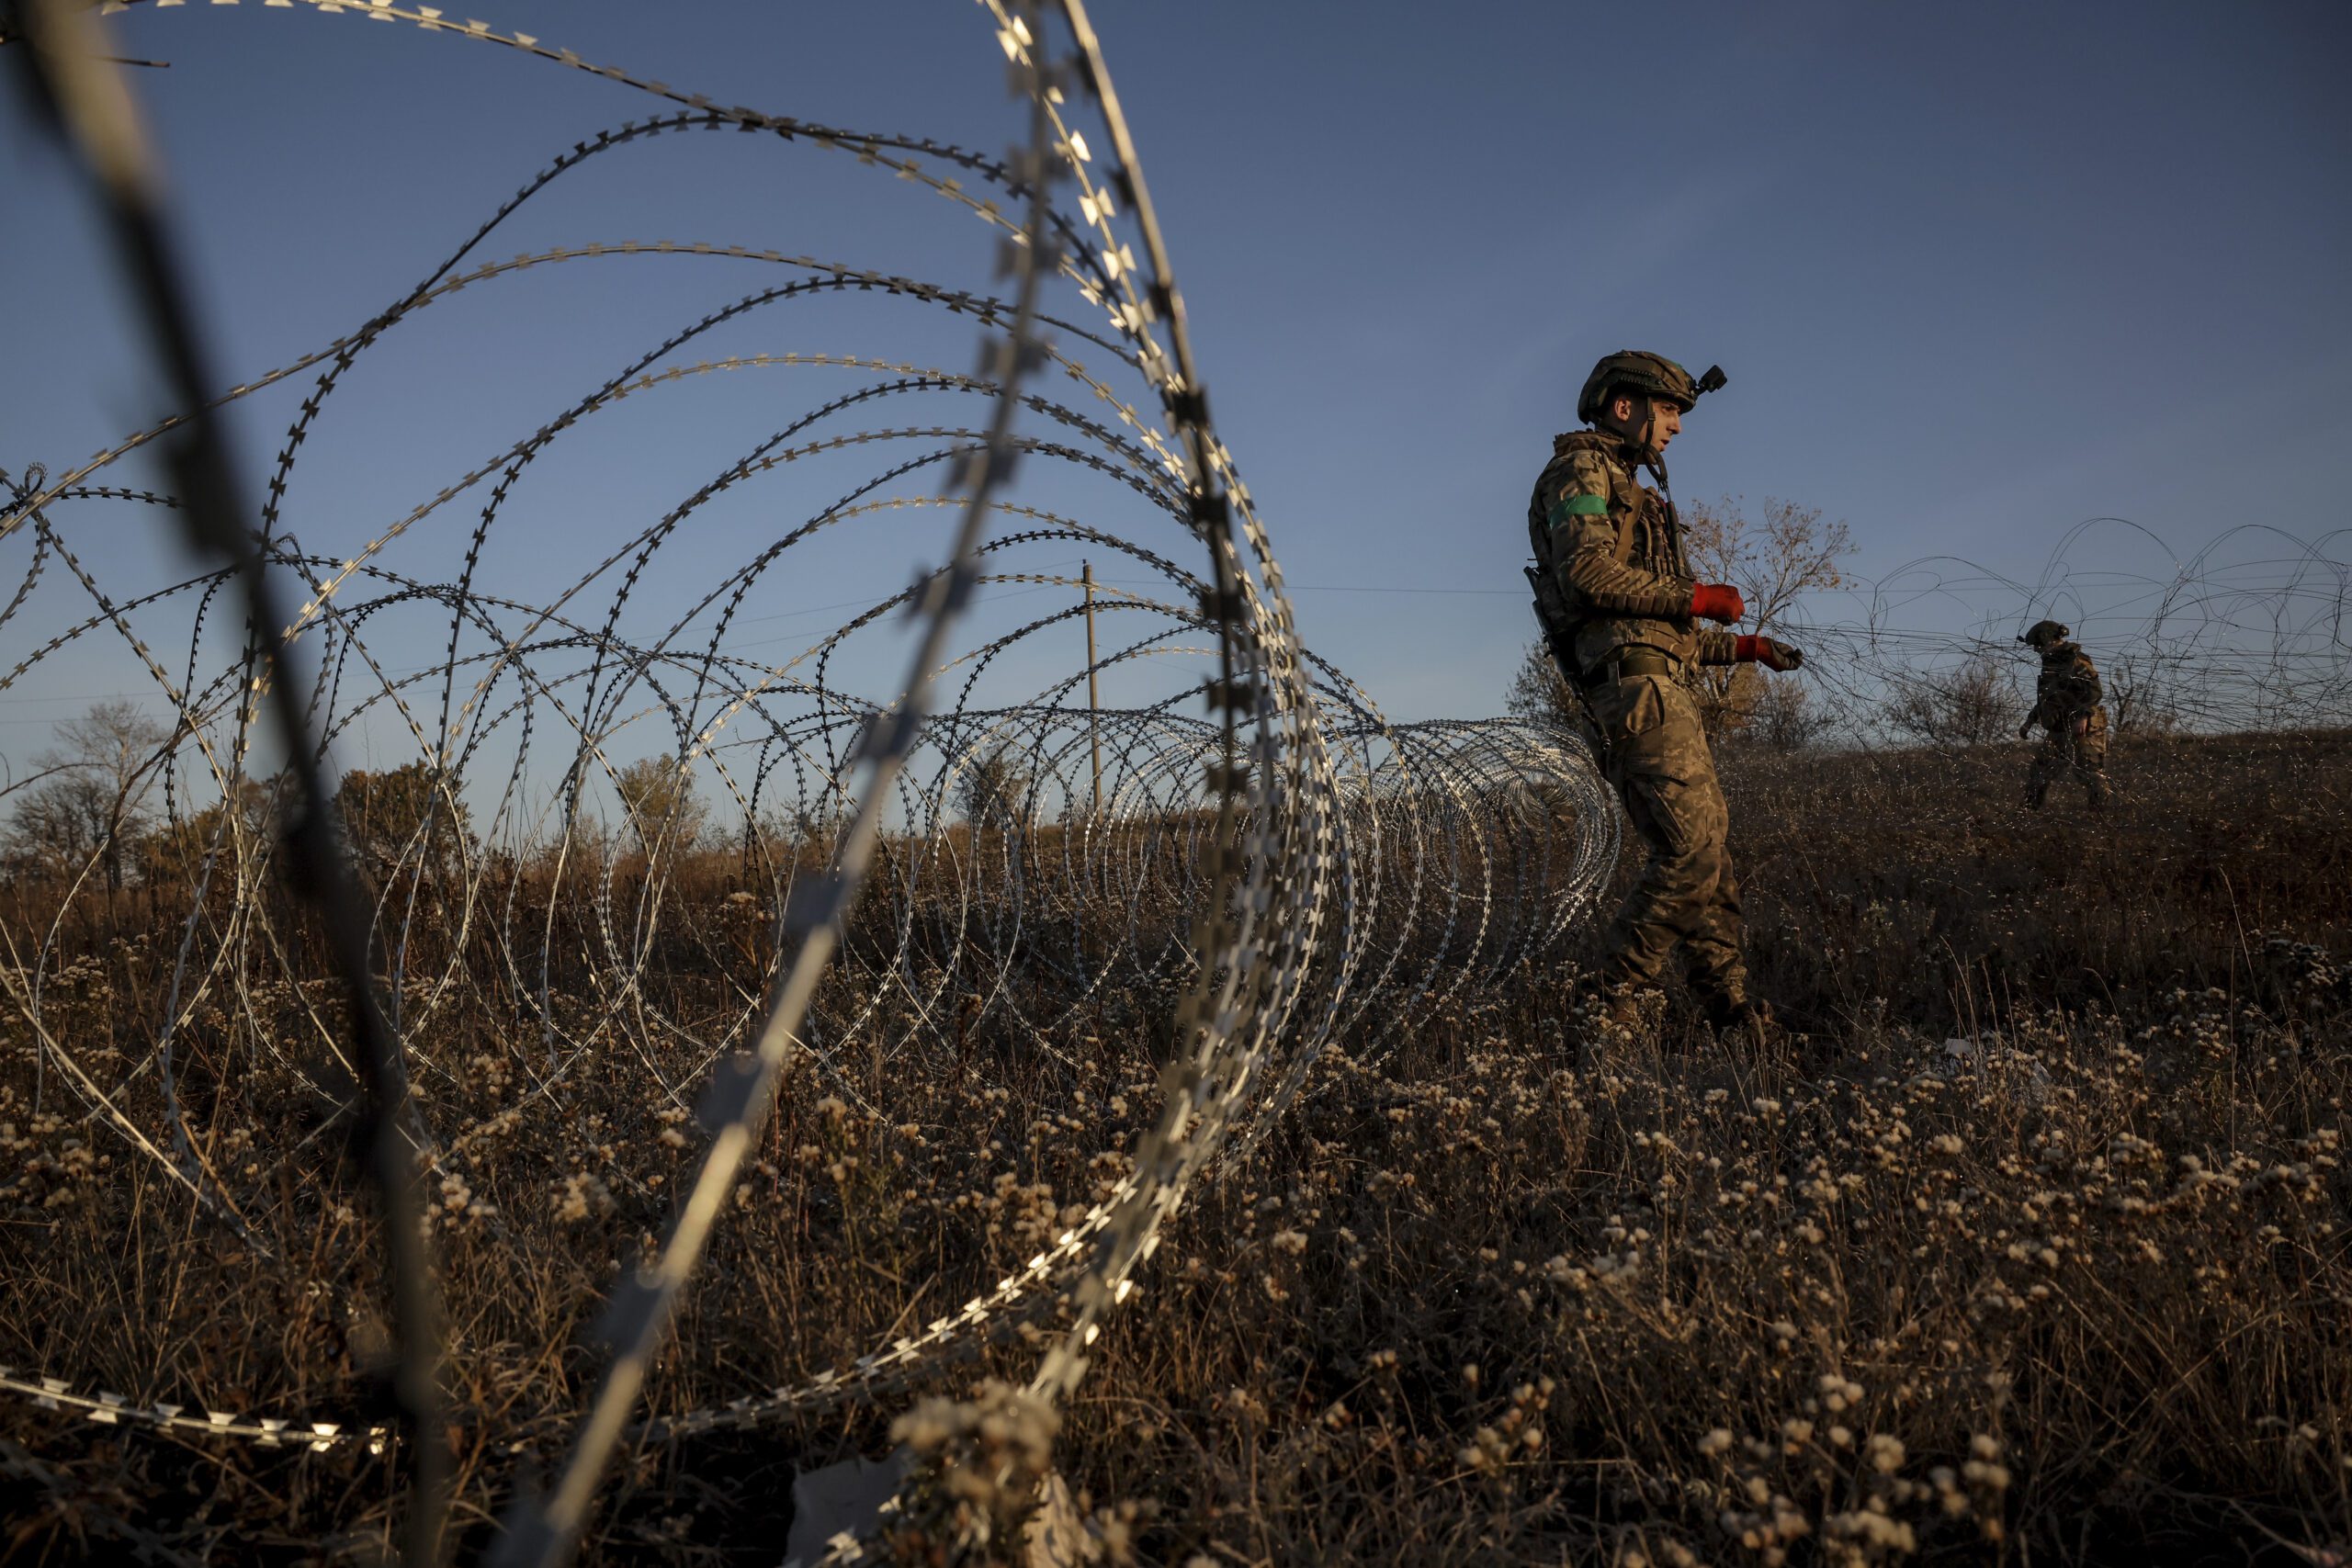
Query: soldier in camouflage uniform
(2066, 705)
(1620, 609)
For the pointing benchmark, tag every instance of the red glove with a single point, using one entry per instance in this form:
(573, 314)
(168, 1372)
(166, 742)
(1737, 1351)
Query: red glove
(1780, 656)
(1717, 602)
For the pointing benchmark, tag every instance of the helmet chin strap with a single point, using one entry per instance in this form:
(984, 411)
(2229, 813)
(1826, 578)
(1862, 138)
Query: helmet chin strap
(1638, 438)
(1650, 458)
(1646, 454)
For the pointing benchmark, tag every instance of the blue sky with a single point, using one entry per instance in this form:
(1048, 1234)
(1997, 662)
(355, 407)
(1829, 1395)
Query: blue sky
(1977, 273)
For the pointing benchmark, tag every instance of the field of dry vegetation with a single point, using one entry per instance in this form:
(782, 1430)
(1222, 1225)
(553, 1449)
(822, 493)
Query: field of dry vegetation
(2031, 1249)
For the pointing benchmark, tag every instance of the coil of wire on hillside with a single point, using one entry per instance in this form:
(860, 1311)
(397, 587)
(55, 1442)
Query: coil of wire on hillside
(2246, 632)
(628, 852)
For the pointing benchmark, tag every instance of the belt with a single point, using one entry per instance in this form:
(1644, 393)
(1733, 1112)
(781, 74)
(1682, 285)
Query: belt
(1624, 663)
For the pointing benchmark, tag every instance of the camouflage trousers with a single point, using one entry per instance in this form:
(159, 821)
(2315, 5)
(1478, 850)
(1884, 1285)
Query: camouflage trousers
(2068, 750)
(1655, 753)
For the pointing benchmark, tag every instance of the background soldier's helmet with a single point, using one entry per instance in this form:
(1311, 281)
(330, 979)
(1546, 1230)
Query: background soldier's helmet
(2045, 634)
(1652, 374)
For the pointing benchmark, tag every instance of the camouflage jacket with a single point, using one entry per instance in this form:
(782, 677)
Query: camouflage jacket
(1614, 551)
(2069, 689)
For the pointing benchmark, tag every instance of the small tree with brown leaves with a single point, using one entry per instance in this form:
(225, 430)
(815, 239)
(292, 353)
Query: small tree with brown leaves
(401, 813)
(660, 802)
(996, 791)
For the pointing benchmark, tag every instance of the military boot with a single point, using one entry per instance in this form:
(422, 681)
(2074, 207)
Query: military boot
(1611, 1020)
(1742, 1025)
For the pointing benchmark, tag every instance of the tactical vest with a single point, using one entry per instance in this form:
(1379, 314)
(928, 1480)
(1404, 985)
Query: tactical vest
(2069, 687)
(1649, 538)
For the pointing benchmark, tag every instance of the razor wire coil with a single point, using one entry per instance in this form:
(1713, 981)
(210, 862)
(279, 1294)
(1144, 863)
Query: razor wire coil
(1271, 871)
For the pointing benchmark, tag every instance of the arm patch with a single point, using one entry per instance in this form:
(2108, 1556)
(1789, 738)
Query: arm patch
(1569, 506)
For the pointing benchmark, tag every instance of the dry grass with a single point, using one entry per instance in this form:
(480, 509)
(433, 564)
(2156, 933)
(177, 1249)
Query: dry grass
(2075, 1288)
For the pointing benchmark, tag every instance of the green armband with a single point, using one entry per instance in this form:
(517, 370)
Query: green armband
(1569, 506)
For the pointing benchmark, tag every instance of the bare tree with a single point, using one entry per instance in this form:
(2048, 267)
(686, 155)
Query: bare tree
(1975, 705)
(1774, 560)
(93, 801)
(1539, 692)
(1783, 717)
(58, 823)
(2140, 694)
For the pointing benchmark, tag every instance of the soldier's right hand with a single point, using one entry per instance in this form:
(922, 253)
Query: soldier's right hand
(2027, 728)
(1718, 602)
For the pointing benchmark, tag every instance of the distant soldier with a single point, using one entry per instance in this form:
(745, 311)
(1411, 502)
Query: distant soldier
(2066, 705)
(1620, 608)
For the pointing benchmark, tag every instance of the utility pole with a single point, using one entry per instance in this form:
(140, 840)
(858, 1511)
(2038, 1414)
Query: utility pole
(1094, 687)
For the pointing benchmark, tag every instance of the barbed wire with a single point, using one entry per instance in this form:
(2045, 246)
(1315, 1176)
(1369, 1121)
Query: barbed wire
(1262, 878)
(2248, 631)
(865, 867)
(76, 81)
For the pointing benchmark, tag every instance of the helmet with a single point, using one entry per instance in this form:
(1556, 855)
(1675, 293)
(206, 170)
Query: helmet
(2044, 634)
(1652, 374)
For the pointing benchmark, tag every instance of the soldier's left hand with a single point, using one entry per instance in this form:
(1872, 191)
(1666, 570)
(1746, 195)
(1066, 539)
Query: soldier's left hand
(1771, 653)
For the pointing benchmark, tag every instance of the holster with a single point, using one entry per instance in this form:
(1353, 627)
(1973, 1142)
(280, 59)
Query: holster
(1552, 616)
